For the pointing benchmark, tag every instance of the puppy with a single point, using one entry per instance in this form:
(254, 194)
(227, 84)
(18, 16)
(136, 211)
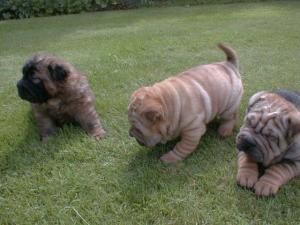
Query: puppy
(270, 137)
(183, 105)
(58, 94)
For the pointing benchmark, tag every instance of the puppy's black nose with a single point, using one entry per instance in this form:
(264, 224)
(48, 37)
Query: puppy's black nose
(19, 84)
(245, 143)
(21, 89)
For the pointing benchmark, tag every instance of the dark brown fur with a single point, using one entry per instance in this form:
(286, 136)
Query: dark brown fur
(70, 98)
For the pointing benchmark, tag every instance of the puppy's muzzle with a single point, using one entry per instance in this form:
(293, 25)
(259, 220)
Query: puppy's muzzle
(245, 143)
(22, 91)
(133, 133)
(34, 93)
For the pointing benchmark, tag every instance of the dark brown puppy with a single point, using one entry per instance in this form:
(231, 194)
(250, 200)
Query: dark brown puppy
(58, 94)
(270, 137)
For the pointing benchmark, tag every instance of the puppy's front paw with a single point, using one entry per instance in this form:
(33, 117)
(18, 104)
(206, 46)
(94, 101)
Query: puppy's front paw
(265, 189)
(170, 158)
(100, 134)
(247, 180)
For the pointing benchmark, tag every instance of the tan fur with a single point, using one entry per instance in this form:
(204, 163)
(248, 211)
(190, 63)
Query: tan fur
(184, 104)
(71, 100)
(273, 123)
(248, 171)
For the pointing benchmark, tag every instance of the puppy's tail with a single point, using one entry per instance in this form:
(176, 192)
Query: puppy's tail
(231, 54)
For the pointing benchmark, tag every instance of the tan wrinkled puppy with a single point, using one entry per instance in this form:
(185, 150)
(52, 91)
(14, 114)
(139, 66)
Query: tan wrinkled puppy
(183, 105)
(270, 137)
(59, 94)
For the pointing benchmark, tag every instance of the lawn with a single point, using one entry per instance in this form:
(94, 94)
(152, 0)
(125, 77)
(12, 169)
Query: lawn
(74, 179)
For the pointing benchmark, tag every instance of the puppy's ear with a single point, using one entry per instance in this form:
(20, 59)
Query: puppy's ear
(28, 69)
(294, 121)
(154, 114)
(57, 72)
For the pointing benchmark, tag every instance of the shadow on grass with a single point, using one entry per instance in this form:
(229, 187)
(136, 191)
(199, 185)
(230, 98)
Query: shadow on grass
(268, 209)
(29, 151)
(146, 175)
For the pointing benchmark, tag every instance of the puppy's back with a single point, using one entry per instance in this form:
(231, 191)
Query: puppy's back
(291, 96)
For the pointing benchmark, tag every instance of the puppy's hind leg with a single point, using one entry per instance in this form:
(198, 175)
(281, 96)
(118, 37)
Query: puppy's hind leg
(229, 121)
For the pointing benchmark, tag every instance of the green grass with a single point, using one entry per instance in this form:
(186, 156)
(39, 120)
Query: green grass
(76, 180)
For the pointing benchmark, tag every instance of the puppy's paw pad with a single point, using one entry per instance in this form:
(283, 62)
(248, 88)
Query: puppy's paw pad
(265, 189)
(170, 158)
(247, 181)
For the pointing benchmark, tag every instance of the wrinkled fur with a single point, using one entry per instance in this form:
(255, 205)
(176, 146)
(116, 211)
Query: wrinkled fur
(182, 106)
(270, 137)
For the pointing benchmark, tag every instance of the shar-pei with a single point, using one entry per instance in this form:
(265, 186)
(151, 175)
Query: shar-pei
(269, 142)
(183, 105)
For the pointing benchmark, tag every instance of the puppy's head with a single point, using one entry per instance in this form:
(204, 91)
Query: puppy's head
(268, 131)
(43, 77)
(147, 117)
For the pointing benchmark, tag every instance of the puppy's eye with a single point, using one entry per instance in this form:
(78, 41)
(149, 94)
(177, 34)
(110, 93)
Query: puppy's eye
(36, 80)
(272, 138)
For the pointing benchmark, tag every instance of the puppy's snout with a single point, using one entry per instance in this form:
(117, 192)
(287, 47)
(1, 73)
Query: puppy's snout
(21, 88)
(19, 84)
(245, 143)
